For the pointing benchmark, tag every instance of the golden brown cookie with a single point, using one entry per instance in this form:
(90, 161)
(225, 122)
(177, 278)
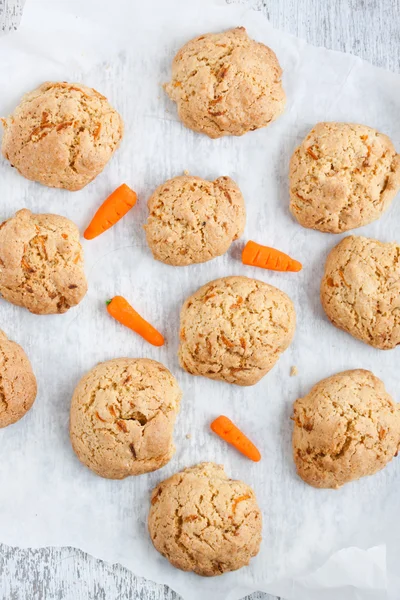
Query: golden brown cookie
(62, 135)
(18, 383)
(360, 290)
(235, 329)
(202, 521)
(41, 263)
(192, 220)
(122, 417)
(342, 176)
(347, 427)
(226, 84)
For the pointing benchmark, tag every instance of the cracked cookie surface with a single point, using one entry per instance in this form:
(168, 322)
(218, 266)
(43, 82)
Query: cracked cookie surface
(347, 427)
(360, 290)
(41, 262)
(62, 135)
(202, 521)
(17, 382)
(226, 84)
(342, 176)
(192, 220)
(234, 329)
(123, 413)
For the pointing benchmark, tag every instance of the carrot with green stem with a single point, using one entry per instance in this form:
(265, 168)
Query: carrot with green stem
(111, 211)
(257, 255)
(228, 431)
(122, 311)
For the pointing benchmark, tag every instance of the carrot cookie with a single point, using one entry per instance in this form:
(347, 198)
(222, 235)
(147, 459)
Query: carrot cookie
(226, 84)
(235, 329)
(360, 290)
(62, 135)
(122, 417)
(18, 382)
(347, 427)
(41, 263)
(342, 176)
(202, 521)
(192, 220)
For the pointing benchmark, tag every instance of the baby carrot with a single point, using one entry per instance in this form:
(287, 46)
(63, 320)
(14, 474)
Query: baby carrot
(111, 211)
(122, 311)
(257, 255)
(228, 431)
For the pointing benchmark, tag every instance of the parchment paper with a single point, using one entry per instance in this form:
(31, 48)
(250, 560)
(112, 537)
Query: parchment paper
(318, 544)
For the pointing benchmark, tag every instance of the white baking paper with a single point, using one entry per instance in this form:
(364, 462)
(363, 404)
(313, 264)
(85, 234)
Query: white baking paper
(317, 544)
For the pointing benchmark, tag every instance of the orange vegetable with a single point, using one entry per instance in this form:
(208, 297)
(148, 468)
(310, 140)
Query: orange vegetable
(122, 311)
(228, 431)
(111, 211)
(257, 255)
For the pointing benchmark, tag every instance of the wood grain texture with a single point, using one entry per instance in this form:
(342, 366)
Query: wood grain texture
(10, 14)
(69, 574)
(367, 28)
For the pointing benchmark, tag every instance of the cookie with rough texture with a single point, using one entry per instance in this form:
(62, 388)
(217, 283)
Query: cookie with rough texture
(360, 290)
(192, 220)
(41, 263)
(226, 84)
(235, 329)
(122, 417)
(347, 427)
(342, 176)
(202, 521)
(62, 135)
(18, 383)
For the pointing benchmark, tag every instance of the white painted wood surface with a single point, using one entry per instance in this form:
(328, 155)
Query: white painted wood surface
(367, 28)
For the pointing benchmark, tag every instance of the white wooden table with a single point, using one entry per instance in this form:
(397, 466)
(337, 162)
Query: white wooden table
(367, 28)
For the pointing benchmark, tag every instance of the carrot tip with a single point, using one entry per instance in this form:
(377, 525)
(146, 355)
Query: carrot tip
(297, 266)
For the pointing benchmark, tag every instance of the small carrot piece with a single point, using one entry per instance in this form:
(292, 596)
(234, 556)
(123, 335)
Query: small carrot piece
(257, 255)
(111, 211)
(228, 431)
(122, 311)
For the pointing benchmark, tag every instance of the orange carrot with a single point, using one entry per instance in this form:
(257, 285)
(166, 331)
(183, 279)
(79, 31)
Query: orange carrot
(257, 255)
(123, 312)
(111, 211)
(228, 431)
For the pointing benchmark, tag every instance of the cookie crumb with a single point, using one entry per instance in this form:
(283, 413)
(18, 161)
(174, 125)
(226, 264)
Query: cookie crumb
(188, 436)
(293, 371)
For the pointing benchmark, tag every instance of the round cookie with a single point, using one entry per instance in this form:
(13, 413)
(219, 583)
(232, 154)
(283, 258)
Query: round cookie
(226, 84)
(347, 427)
(360, 290)
(234, 329)
(18, 383)
(342, 176)
(123, 413)
(62, 135)
(41, 263)
(202, 521)
(192, 220)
